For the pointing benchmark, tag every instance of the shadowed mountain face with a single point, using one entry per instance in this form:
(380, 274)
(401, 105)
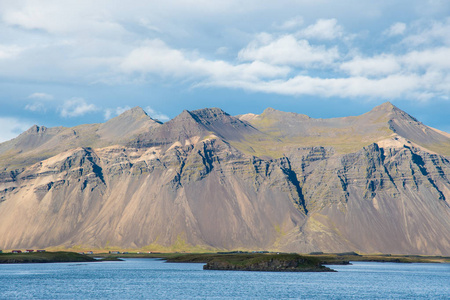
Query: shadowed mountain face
(379, 182)
(210, 122)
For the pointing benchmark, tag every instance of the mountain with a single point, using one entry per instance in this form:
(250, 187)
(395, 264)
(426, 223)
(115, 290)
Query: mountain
(39, 143)
(205, 180)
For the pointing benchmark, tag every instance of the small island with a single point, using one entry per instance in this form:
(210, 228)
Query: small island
(270, 262)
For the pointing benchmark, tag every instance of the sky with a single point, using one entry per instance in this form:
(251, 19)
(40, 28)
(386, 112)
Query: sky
(71, 62)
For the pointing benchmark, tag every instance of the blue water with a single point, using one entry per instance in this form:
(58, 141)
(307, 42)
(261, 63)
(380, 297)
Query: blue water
(155, 279)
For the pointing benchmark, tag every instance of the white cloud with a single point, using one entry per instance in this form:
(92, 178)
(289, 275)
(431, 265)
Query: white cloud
(41, 96)
(436, 32)
(156, 114)
(156, 58)
(396, 29)
(222, 50)
(12, 127)
(113, 112)
(144, 22)
(36, 107)
(108, 113)
(290, 24)
(39, 104)
(373, 66)
(391, 87)
(120, 110)
(323, 29)
(287, 50)
(274, 64)
(72, 17)
(85, 42)
(76, 107)
(10, 51)
(430, 59)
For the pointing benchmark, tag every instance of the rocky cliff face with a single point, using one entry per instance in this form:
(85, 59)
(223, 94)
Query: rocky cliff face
(276, 181)
(391, 200)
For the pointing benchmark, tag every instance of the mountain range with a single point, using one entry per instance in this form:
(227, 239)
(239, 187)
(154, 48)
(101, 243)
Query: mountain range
(206, 180)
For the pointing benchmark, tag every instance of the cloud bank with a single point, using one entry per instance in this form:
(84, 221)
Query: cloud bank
(350, 50)
(290, 64)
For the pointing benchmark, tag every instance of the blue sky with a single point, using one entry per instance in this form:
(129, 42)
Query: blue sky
(73, 62)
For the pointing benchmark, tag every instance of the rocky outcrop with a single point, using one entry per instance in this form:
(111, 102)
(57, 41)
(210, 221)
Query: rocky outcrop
(268, 263)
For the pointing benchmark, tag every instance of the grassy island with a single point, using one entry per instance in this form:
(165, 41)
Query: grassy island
(267, 262)
(282, 262)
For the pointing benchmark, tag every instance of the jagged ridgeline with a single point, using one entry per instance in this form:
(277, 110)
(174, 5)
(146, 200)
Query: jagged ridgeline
(378, 182)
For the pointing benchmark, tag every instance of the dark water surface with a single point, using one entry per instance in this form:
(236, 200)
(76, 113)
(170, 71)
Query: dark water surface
(155, 279)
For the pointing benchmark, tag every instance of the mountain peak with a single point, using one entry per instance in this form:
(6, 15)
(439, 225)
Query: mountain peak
(270, 110)
(130, 122)
(184, 116)
(186, 124)
(35, 129)
(282, 115)
(136, 111)
(132, 115)
(216, 110)
(206, 120)
(202, 116)
(210, 113)
(391, 112)
(386, 106)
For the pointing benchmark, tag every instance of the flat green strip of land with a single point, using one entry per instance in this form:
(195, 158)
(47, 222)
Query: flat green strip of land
(339, 258)
(325, 258)
(225, 260)
(44, 257)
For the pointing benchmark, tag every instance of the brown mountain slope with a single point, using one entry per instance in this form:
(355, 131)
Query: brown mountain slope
(278, 181)
(135, 197)
(349, 134)
(38, 143)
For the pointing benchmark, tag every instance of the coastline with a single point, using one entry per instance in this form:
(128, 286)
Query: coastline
(44, 257)
(235, 260)
(325, 258)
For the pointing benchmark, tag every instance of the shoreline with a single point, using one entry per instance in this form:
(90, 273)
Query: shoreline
(44, 257)
(326, 258)
(322, 258)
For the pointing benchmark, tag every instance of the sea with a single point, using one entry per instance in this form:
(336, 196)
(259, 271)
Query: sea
(136, 278)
